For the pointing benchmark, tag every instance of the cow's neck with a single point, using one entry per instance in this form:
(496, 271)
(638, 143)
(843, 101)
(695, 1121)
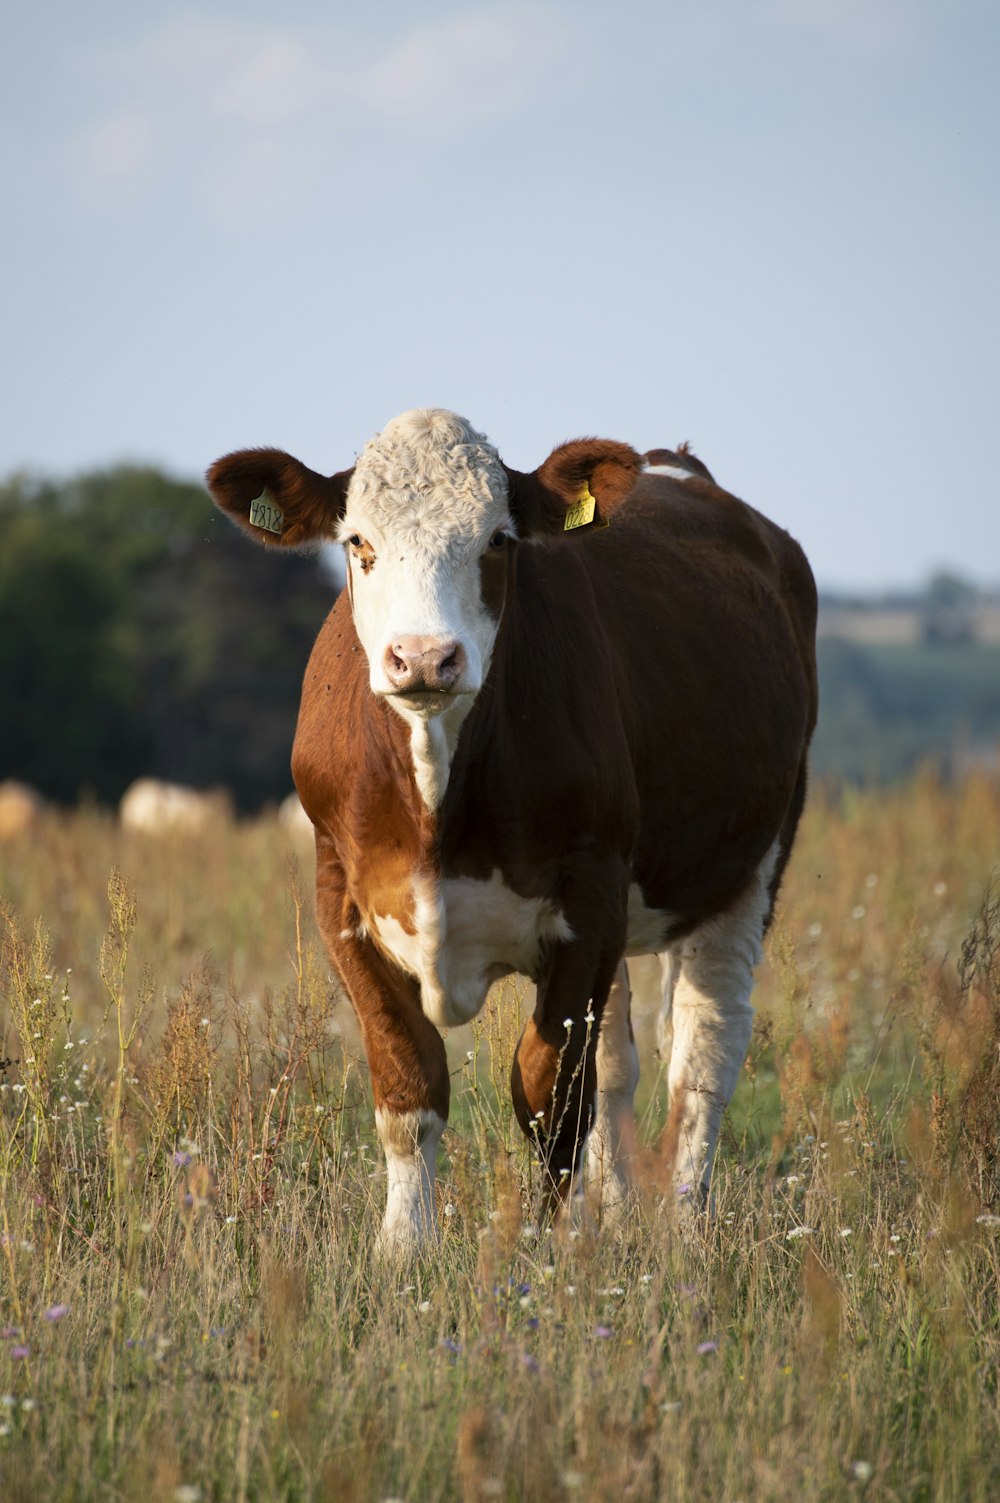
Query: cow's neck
(432, 745)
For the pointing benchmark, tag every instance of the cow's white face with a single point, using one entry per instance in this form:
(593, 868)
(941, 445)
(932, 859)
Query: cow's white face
(425, 530)
(425, 517)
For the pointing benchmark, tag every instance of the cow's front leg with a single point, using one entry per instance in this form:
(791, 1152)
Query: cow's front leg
(410, 1084)
(410, 1143)
(554, 1075)
(411, 1088)
(409, 1070)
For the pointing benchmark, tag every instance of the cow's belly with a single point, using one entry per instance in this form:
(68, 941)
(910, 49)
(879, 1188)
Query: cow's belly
(467, 934)
(647, 929)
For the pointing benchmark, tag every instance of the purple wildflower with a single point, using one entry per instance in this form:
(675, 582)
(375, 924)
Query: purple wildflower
(7, 1333)
(56, 1312)
(603, 1332)
(706, 1348)
(18, 1353)
(180, 1160)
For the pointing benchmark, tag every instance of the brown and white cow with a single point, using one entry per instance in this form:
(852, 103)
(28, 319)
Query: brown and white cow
(554, 719)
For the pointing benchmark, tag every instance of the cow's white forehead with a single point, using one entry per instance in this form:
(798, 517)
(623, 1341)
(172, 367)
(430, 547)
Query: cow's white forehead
(429, 480)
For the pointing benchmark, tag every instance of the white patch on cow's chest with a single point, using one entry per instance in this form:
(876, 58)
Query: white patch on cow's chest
(469, 933)
(433, 742)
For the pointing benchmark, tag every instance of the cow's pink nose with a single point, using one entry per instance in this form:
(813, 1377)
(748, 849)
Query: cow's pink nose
(414, 664)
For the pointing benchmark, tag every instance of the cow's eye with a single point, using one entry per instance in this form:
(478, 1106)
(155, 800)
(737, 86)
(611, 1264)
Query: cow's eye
(354, 540)
(499, 541)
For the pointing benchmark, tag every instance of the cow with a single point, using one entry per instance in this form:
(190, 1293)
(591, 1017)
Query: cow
(555, 719)
(294, 820)
(21, 809)
(151, 807)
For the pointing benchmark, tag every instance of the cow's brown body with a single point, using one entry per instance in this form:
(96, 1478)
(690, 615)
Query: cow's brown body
(635, 760)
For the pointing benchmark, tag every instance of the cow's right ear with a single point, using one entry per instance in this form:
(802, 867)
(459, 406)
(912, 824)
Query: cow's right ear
(276, 498)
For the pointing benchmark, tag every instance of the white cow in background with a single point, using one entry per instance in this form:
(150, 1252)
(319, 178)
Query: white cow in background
(152, 807)
(20, 809)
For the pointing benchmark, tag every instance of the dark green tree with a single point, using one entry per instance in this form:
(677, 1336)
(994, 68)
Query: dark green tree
(140, 633)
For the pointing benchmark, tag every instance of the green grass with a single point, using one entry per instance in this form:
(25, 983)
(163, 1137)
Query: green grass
(188, 1165)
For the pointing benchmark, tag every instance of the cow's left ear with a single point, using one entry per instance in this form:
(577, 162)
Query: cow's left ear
(277, 499)
(580, 485)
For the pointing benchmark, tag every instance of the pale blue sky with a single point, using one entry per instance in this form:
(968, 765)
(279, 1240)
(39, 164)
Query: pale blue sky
(767, 226)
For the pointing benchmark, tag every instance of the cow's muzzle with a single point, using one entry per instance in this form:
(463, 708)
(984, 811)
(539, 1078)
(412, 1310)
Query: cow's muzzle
(421, 665)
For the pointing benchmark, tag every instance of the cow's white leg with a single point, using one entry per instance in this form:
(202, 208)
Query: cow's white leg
(410, 1142)
(713, 1020)
(607, 1175)
(669, 971)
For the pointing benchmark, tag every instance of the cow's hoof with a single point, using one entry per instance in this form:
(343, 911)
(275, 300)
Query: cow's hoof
(692, 1210)
(404, 1243)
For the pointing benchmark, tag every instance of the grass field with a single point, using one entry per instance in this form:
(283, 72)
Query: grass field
(190, 1188)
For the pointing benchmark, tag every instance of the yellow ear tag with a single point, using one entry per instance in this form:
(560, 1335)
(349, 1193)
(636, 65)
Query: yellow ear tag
(264, 513)
(582, 513)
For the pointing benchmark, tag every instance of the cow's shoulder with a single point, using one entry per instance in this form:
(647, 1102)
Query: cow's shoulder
(323, 750)
(351, 760)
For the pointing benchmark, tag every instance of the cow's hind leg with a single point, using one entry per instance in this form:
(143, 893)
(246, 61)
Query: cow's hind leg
(669, 971)
(712, 1024)
(609, 1144)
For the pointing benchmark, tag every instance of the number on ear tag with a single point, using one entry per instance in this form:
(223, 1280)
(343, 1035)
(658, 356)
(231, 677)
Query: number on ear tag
(583, 512)
(264, 514)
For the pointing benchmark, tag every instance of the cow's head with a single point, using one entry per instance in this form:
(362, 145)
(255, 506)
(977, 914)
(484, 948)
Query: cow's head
(428, 518)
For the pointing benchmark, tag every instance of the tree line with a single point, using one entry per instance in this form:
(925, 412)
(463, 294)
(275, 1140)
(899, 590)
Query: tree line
(140, 634)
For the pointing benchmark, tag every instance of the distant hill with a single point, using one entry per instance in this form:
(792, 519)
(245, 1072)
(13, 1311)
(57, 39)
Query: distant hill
(948, 609)
(909, 677)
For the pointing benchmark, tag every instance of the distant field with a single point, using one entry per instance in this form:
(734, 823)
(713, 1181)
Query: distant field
(190, 1187)
(887, 707)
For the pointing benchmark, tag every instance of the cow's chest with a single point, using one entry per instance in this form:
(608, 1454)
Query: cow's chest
(465, 934)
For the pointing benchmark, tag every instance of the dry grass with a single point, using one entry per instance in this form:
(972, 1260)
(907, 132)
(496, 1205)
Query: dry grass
(190, 1187)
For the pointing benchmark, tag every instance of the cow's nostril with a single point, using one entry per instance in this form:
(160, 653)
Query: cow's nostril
(450, 665)
(397, 666)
